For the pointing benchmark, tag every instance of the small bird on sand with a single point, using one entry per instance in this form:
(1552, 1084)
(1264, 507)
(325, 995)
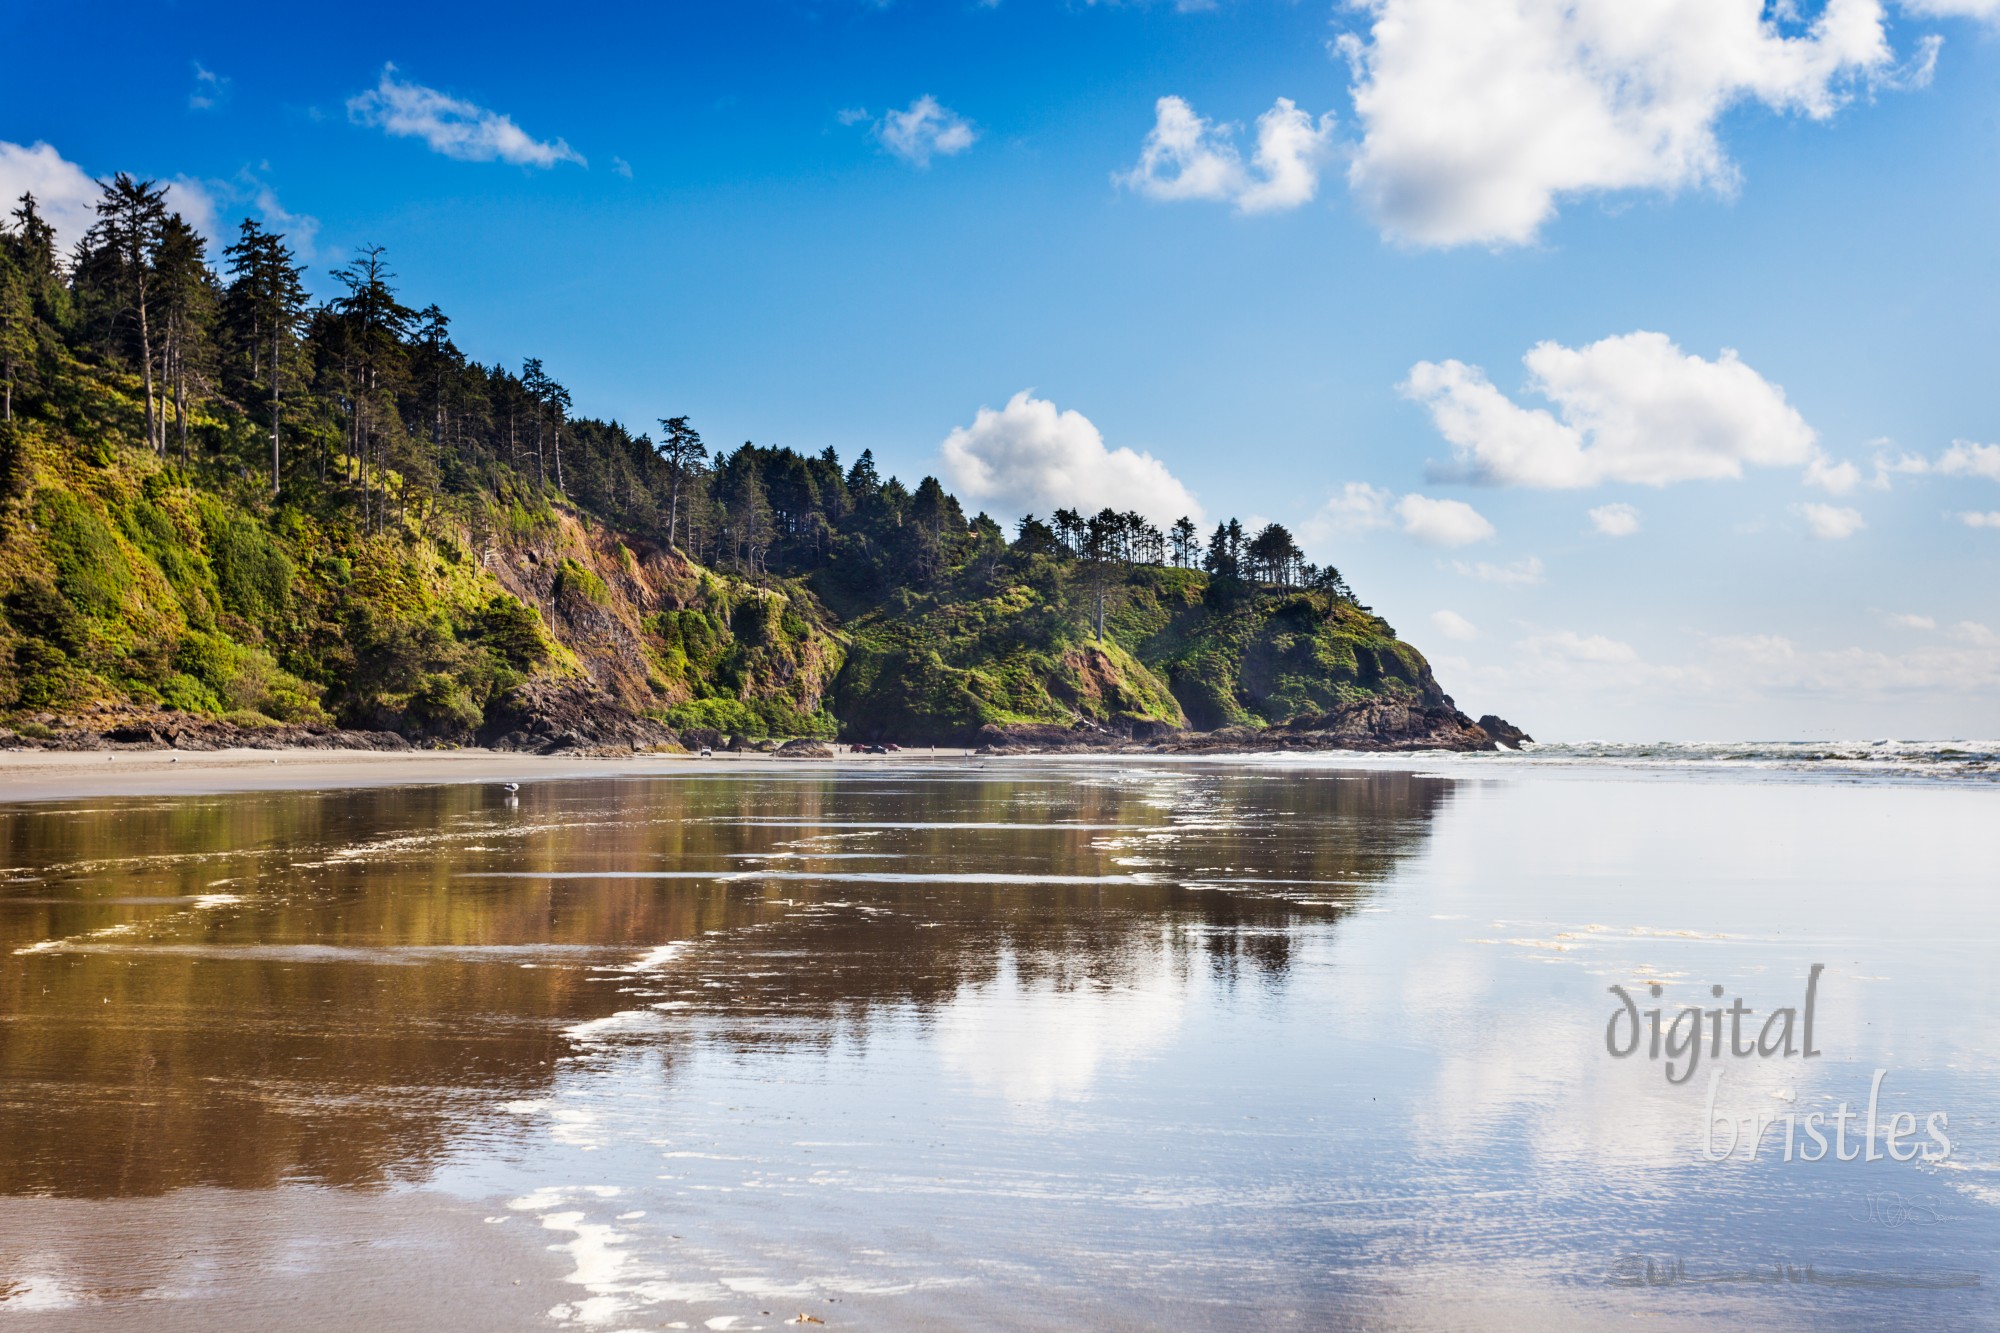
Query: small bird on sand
(510, 787)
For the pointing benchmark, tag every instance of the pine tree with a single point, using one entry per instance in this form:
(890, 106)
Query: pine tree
(683, 452)
(124, 242)
(185, 294)
(376, 324)
(262, 312)
(17, 325)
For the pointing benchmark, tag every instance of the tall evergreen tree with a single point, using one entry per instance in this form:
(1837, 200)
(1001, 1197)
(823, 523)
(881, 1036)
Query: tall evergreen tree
(376, 327)
(262, 312)
(185, 293)
(17, 327)
(683, 452)
(125, 240)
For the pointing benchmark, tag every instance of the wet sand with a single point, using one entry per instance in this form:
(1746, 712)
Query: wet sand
(909, 1043)
(304, 1258)
(53, 775)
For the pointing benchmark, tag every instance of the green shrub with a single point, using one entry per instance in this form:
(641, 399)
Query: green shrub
(749, 717)
(189, 695)
(513, 631)
(89, 568)
(253, 575)
(39, 611)
(574, 580)
(441, 706)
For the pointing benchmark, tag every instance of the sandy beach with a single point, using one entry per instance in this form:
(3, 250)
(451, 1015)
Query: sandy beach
(50, 775)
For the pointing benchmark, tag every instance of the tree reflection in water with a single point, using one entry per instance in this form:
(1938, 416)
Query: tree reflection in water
(340, 987)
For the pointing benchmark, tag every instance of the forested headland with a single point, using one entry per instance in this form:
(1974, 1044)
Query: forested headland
(230, 512)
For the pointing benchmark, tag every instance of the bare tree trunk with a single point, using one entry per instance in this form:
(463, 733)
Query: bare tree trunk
(180, 399)
(276, 458)
(156, 439)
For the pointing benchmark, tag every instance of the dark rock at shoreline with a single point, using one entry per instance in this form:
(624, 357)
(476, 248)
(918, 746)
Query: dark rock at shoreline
(1505, 732)
(187, 731)
(805, 748)
(1376, 724)
(1037, 737)
(1379, 724)
(573, 717)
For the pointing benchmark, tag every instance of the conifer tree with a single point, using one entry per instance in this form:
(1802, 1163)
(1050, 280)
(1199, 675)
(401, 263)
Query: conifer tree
(125, 240)
(185, 294)
(683, 452)
(262, 311)
(17, 336)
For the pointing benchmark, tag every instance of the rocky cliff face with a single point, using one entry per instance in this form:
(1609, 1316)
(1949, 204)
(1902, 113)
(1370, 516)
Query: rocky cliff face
(141, 608)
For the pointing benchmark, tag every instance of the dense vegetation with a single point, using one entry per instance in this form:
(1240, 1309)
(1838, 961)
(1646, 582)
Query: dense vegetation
(218, 498)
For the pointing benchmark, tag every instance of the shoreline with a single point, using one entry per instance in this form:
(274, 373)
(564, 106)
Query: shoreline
(28, 776)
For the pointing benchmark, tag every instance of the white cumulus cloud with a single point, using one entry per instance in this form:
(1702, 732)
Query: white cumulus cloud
(1454, 626)
(1614, 520)
(1185, 156)
(1912, 621)
(1835, 478)
(1978, 520)
(1358, 508)
(1028, 457)
(64, 192)
(925, 129)
(1830, 523)
(451, 125)
(1442, 522)
(1966, 459)
(1631, 408)
(1478, 116)
(66, 196)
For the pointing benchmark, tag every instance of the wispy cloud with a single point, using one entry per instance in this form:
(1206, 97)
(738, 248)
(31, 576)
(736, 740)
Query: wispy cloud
(1454, 626)
(210, 90)
(452, 126)
(1830, 523)
(1516, 574)
(923, 130)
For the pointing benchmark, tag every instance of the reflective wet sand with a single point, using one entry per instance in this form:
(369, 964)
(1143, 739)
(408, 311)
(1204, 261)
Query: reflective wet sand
(1008, 1047)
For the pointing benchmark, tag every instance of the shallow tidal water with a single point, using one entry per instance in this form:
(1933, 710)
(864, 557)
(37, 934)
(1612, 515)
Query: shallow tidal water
(1016, 1046)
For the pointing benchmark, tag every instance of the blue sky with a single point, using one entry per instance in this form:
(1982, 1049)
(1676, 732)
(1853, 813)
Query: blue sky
(747, 213)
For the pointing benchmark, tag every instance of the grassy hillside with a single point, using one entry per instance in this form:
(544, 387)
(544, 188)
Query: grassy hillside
(226, 510)
(1014, 645)
(133, 584)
